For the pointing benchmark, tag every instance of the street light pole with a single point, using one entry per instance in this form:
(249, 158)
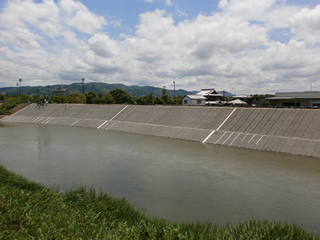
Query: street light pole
(20, 80)
(17, 89)
(83, 85)
(174, 92)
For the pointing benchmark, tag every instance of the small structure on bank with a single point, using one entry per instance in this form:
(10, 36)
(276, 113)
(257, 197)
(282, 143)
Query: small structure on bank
(193, 100)
(203, 97)
(238, 102)
(60, 91)
(244, 98)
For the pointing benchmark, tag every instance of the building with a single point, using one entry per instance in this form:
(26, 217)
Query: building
(296, 99)
(244, 97)
(259, 101)
(193, 100)
(211, 97)
(60, 91)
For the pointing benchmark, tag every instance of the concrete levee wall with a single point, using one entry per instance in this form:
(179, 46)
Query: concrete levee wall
(293, 131)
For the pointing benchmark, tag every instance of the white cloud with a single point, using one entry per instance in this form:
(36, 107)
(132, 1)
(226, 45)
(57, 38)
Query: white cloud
(248, 9)
(116, 23)
(306, 24)
(225, 50)
(168, 2)
(86, 22)
(77, 15)
(102, 45)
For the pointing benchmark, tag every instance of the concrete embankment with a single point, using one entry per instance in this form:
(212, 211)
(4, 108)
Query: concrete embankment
(293, 131)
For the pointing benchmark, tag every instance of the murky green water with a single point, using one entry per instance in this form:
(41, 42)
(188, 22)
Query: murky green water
(177, 180)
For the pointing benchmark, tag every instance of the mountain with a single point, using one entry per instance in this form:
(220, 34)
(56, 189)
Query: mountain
(135, 91)
(227, 94)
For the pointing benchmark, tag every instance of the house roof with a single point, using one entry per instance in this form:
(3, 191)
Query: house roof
(208, 92)
(283, 98)
(196, 97)
(243, 96)
(237, 102)
(280, 98)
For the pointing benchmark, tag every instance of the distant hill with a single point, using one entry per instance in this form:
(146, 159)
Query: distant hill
(135, 91)
(227, 94)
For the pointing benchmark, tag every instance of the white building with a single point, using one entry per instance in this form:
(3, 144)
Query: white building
(194, 100)
(204, 97)
(60, 91)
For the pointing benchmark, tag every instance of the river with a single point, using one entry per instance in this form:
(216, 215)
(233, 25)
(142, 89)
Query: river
(174, 179)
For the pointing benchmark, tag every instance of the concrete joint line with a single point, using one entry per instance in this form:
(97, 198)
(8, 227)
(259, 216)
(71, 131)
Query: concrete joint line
(48, 120)
(227, 139)
(102, 124)
(118, 113)
(113, 117)
(259, 139)
(244, 137)
(226, 119)
(37, 120)
(207, 136)
(110, 126)
(251, 138)
(74, 123)
(234, 139)
(220, 138)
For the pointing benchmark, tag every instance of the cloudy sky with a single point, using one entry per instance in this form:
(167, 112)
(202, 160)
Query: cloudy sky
(240, 46)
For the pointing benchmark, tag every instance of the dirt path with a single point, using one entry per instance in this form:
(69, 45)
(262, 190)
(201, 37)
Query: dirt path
(15, 109)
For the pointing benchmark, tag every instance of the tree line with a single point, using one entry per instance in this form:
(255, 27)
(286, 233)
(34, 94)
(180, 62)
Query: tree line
(116, 96)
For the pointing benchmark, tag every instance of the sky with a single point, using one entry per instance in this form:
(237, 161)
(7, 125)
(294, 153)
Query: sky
(239, 46)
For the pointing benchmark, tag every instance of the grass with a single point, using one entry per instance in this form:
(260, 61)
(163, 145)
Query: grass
(31, 211)
(11, 103)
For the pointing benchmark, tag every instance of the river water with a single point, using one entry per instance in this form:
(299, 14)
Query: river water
(174, 179)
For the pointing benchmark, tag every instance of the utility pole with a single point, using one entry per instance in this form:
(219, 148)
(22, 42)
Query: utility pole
(83, 85)
(224, 100)
(174, 92)
(20, 80)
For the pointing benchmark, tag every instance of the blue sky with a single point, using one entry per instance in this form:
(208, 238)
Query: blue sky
(240, 46)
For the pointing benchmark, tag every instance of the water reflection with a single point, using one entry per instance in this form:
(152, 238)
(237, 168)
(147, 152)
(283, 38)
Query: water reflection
(178, 180)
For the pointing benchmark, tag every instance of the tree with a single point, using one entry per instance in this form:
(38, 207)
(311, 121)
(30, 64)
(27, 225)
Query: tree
(108, 98)
(146, 100)
(166, 99)
(77, 98)
(158, 100)
(90, 95)
(120, 96)
(178, 100)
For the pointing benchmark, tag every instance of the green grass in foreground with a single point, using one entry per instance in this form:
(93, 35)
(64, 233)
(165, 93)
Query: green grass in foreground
(29, 210)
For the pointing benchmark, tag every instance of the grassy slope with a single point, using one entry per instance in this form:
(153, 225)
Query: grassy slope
(29, 210)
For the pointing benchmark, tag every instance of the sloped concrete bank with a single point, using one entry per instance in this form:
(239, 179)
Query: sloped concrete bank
(293, 131)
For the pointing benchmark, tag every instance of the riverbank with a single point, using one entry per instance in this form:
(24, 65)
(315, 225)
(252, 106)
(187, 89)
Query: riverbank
(292, 131)
(14, 110)
(30, 210)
